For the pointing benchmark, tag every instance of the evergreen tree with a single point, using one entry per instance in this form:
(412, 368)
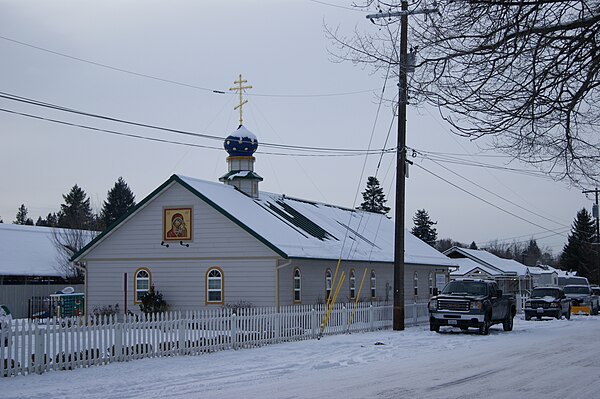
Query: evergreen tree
(532, 254)
(473, 245)
(423, 227)
(119, 200)
(1, 221)
(76, 212)
(50, 221)
(22, 216)
(373, 197)
(578, 254)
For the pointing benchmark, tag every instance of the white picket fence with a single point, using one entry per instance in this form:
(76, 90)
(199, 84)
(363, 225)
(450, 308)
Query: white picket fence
(28, 347)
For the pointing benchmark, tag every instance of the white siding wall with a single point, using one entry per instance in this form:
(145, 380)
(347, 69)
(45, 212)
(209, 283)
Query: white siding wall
(313, 280)
(179, 272)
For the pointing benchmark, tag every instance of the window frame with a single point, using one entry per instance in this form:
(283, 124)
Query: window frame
(416, 284)
(328, 283)
(297, 276)
(352, 284)
(137, 301)
(373, 284)
(208, 290)
(430, 284)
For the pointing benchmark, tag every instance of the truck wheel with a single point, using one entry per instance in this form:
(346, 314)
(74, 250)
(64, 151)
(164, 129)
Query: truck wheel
(527, 317)
(559, 315)
(569, 314)
(484, 329)
(507, 324)
(434, 327)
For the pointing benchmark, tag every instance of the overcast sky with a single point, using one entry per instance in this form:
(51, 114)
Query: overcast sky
(300, 97)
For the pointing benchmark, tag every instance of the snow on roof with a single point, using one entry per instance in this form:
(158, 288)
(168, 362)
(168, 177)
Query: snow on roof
(466, 266)
(27, 251)
(503, 266)
(308, 229)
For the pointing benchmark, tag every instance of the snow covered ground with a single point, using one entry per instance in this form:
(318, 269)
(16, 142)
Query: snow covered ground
(539, 359)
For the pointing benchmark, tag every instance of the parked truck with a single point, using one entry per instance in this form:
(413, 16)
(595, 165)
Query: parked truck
(471, 303)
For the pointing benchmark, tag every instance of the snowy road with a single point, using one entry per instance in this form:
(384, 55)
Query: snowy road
(539, 359)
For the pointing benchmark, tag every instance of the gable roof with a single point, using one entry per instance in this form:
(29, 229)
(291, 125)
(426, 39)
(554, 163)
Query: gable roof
(28, 251)
(296, 228)
(489, 260)
(466, 266)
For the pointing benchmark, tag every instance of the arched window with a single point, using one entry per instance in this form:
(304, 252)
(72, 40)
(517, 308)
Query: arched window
(142, 283)
(373, 284)
(297, 286)
(416, 283)
(430, 284)
(214, 285)
(328, 283)
(352, 284)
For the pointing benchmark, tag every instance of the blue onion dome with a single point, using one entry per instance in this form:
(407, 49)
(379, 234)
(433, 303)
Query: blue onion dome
(241, 143)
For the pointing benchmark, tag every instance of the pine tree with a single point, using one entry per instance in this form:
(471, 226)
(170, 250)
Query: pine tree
(423, 227)
(578, 254)
(76, 212)
(473, 245)
(119, 200)
(50, 221)
(1, 221)
(373, 197)
(533, 253)
(22, 216)
(153, 302)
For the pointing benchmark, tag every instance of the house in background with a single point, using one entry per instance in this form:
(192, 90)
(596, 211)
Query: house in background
(29, 266)
(512, 277)
(206, 244)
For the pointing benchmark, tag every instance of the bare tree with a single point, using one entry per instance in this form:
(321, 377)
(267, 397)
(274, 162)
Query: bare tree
(524, 72)
(67, 243)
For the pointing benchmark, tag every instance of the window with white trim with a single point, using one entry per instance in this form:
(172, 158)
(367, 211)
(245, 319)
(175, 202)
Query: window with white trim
(143, 282)
(352, 284)
(373, 284)
(416, 283)
(214, 286)
(430, 284)
(328, 283)
(297, 286)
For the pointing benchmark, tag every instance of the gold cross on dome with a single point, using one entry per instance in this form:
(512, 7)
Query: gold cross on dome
(240, 89)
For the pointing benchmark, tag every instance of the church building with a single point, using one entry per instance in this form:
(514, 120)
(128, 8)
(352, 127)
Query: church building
(208, 244)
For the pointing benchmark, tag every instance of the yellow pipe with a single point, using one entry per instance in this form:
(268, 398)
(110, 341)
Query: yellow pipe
(332, 303)
(357, 298)
(333, 280)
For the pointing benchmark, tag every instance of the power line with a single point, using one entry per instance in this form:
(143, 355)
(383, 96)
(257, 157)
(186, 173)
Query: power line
(485, 201)
(136, 136)
(496, 195)
(38, 103)
(175, 82)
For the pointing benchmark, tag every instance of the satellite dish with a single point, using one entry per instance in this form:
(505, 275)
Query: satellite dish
(68, 290)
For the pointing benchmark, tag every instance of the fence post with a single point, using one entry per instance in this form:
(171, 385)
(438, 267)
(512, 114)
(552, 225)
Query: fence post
(38, 350)
(313, 322)
(118, 339)
(371, 318)
(345, 326)
(233, 331)
(277, 327)
(415, 312)
(182, 334)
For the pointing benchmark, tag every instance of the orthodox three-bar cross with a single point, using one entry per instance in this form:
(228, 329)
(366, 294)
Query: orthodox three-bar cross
(240, 89)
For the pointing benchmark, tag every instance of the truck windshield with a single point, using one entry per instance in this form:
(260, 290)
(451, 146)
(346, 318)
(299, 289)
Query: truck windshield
(542, 292)
(577, 289)
(465, 287)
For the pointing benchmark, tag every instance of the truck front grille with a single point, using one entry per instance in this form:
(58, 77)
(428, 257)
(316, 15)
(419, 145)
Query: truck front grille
(461, 306)
(540, 304)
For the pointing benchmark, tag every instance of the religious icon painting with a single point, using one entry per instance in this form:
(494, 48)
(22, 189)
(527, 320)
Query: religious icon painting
(177, 224)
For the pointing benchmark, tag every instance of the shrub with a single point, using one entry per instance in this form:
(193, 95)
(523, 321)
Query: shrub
(153, 302)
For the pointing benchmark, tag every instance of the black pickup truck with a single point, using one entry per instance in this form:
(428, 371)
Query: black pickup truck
(471, 303)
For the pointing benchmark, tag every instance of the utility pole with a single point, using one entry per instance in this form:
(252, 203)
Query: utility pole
(398, 316)
(595, 213)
